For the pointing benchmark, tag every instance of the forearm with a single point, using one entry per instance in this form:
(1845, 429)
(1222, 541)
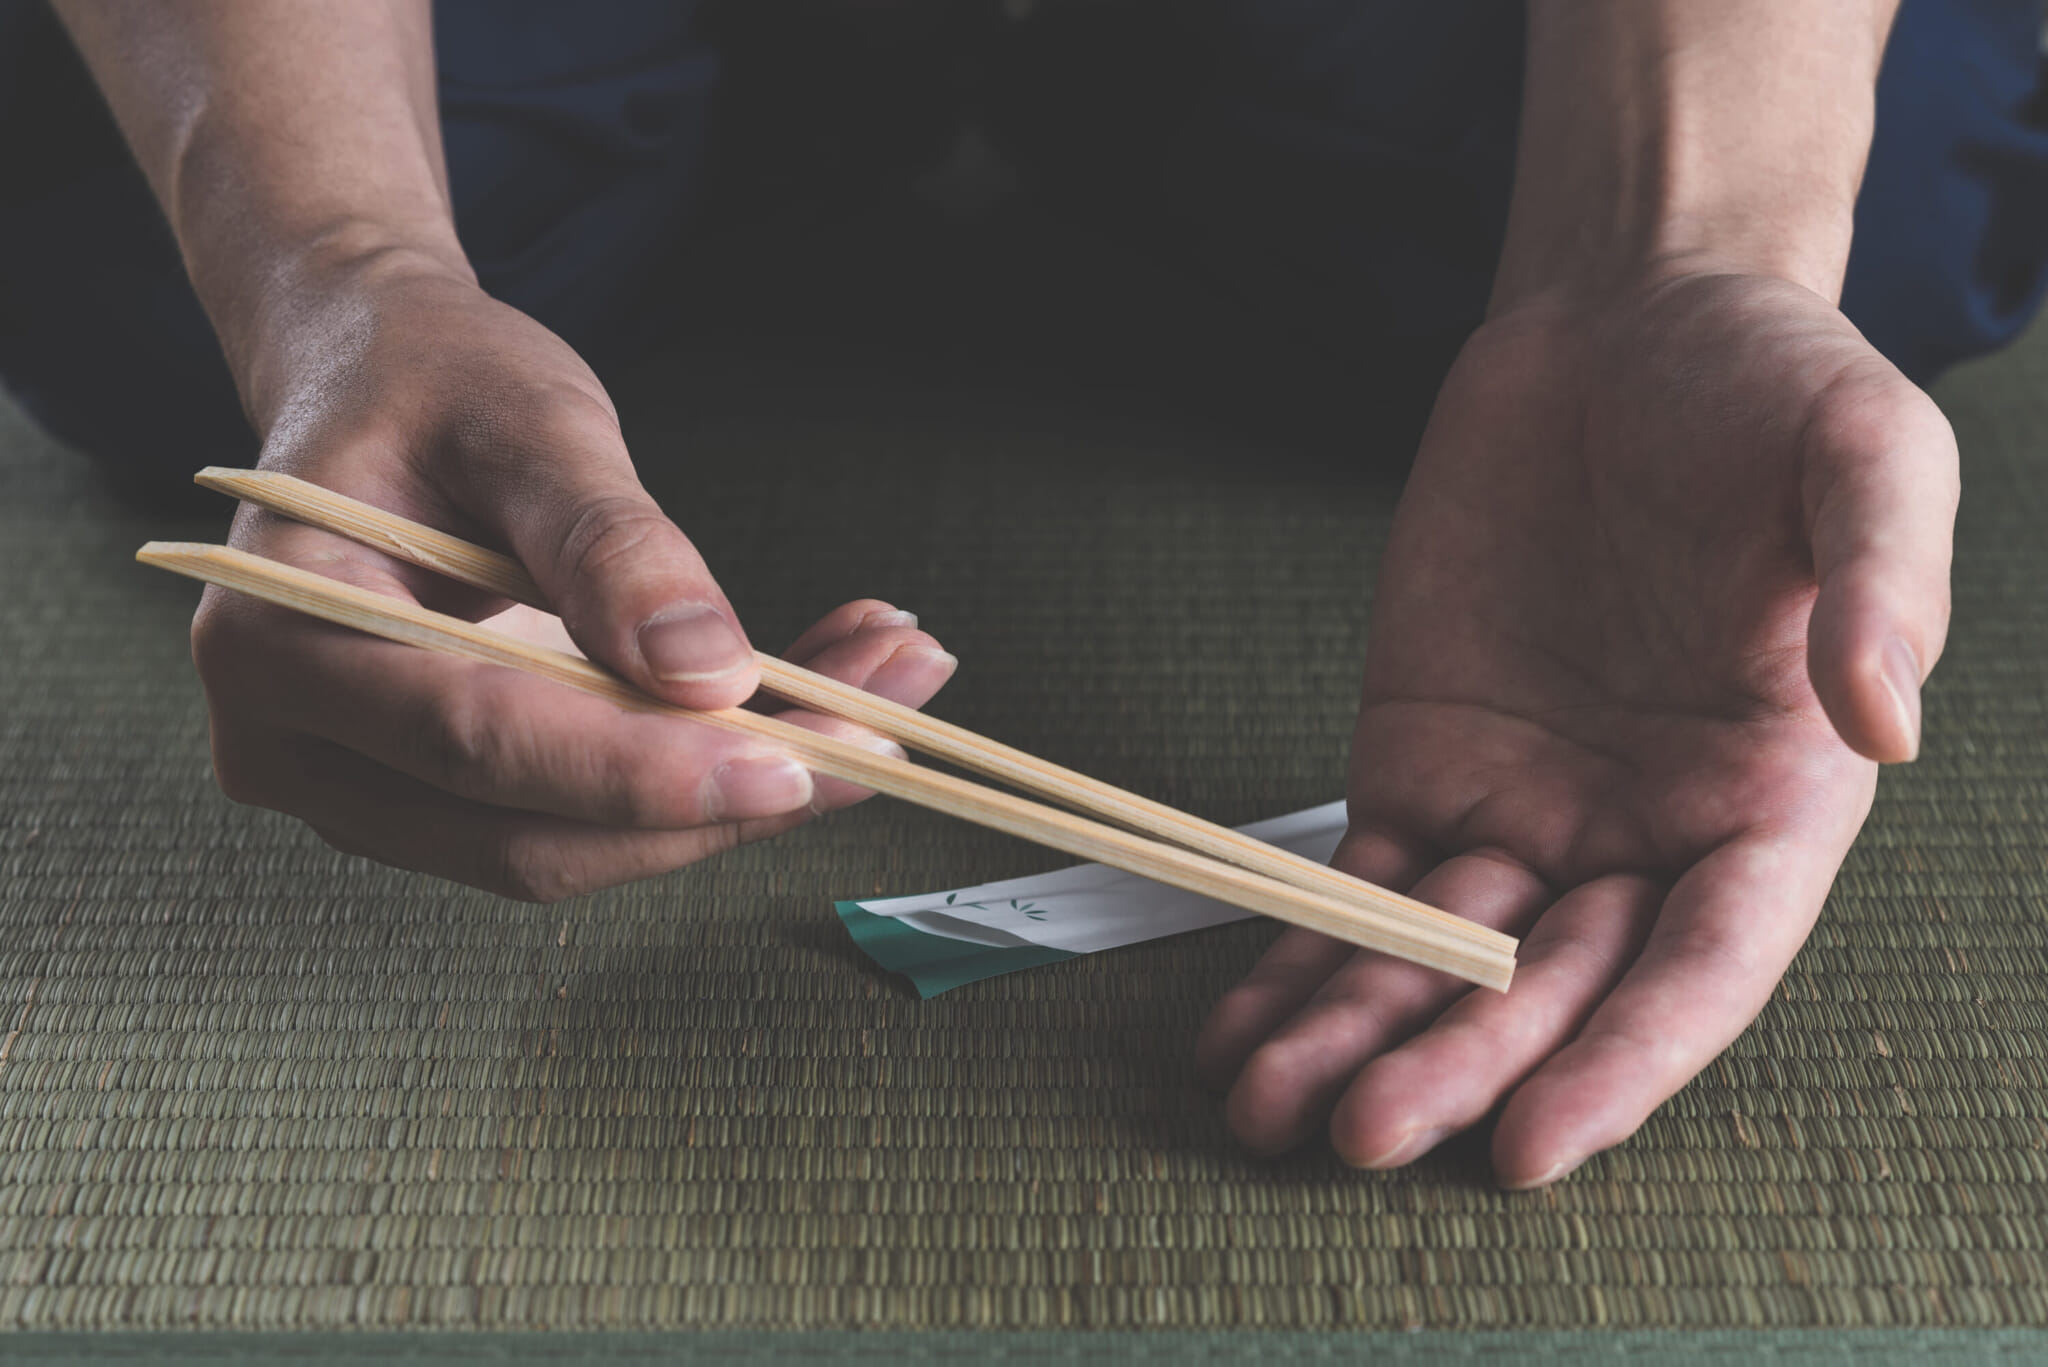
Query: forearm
(1664, 132)
(278, 137)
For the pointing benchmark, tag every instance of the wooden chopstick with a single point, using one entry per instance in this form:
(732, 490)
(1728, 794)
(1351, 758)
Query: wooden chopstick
(1392, 931)
(500, 574)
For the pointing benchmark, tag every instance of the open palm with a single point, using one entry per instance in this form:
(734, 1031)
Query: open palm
(1662, 588)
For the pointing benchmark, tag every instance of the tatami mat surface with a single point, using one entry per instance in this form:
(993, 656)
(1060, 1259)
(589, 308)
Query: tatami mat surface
(245, 1081)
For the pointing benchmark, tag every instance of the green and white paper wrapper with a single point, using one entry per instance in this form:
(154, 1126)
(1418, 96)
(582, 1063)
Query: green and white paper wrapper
(940, 940)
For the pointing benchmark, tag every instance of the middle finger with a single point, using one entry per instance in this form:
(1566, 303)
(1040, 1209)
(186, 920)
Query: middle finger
(1370, 1004)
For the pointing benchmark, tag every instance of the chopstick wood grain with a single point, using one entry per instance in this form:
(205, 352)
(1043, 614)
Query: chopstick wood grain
(492, 572)
(1390, 931)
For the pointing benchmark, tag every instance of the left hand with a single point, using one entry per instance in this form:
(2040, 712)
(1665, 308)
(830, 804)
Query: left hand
(1664, 585)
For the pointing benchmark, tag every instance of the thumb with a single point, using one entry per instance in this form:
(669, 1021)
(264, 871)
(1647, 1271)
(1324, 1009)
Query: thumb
(1881, 490)
(627, 583)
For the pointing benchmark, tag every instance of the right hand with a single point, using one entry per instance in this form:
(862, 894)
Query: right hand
(404, 385)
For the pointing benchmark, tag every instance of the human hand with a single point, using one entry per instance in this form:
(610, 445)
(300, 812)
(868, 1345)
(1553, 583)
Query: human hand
(1664, 584)
(398, 382)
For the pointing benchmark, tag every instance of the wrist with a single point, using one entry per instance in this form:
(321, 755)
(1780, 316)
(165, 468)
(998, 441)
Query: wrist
(1639, 235)
(312, 303)
(275, 234)
(1660, 138)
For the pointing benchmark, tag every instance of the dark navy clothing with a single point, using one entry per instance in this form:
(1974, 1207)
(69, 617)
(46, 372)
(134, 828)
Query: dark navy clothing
(1952, 224)
(575, 137)
(1344, 163)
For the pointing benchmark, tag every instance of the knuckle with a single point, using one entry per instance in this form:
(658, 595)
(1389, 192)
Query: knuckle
(574, 415)
(1280, 1064)
(729, 835)
(614, 530)
(1251, 999)
(487, 746)
(1567, 956)
(1717, 951)
(1656, 1063)
(1876, 416)
(1385, 1084)
(454, 742)
(625, 780)
(525, 868)
(239, 780)
(220, 639)
(341, 842)
(526, 425)
(636, 797)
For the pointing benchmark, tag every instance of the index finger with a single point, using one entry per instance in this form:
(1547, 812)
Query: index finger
(481, 732)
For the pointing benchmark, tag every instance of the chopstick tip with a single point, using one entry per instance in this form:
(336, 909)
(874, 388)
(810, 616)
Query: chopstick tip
(167, 555)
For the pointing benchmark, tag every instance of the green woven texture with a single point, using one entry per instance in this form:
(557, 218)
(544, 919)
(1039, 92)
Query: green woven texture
(248, 1082)
(1068, 1348)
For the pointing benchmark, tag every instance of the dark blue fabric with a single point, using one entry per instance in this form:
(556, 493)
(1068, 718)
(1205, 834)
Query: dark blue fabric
(1952, 225)
(1346, 161)
(574, 134)
(1337, 172)
(575, 137)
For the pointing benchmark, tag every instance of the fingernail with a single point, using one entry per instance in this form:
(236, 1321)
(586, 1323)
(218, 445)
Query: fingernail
(882, 745)
(757, 785)
(908, 665)
(1902, 677)
(888, 617)
(1406, 1149)
(690, 643)
(1556, 1172)
(866, 740)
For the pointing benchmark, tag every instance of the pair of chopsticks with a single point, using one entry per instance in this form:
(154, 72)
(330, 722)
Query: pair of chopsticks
(1185, 851)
